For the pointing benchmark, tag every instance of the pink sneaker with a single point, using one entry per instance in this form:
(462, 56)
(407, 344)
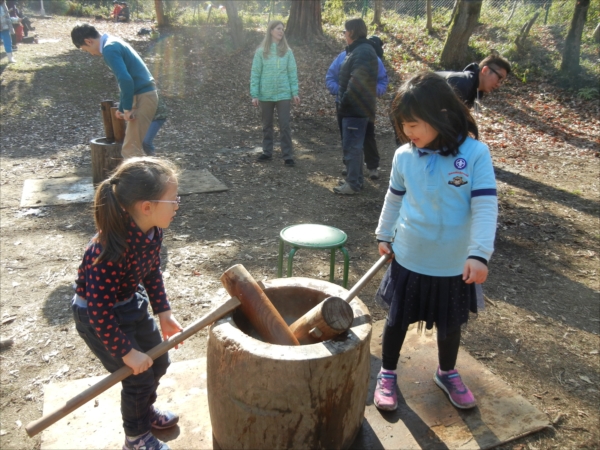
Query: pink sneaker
(386, 397)
(459, 394)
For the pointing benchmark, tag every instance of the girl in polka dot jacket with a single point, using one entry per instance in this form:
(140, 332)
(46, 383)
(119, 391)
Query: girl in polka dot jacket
(439, 222)
(119, 277)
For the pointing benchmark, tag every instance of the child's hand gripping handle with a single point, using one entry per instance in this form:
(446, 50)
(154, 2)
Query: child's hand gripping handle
(44, 422)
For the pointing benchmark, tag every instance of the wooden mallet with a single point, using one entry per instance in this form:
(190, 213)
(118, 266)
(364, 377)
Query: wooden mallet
(256, 307)
(333, 315)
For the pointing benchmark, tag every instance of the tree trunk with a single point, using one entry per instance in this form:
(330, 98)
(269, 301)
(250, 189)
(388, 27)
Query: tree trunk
(236, 24)
(454, 54)
(597, 33)
(377, 12)
(429, 18)
(160, 15)
(520, 40)
(570, 59)
(512, 13)
(453, 12)
(304, 23)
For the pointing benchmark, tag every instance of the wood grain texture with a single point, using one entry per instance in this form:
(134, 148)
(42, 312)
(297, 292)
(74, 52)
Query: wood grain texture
(118, 126)
(328, 319)
(105, 108)
(257, 307)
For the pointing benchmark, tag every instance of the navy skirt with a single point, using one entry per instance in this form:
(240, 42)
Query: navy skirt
(412, 297)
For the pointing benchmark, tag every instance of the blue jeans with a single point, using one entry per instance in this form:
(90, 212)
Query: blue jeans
(6, 41)
(353, 139)
(139, 391)
(147, 144)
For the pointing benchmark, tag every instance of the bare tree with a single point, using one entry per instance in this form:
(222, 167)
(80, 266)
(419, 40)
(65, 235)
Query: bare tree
(429, 18)
(304, 23)
(570, 59)
(522, 37)
(454, 54)
(236, 24)
(160, 14)
(377, 13)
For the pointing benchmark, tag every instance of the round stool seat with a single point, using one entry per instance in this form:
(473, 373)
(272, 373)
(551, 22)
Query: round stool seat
(313, 236)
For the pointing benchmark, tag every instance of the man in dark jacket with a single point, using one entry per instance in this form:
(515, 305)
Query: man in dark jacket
(478, 79)
(357, 101)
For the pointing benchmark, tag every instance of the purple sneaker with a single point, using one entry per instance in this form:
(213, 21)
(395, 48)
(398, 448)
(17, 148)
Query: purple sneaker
(459, 394)
(146, 441)
(386, 398)
(162, 419)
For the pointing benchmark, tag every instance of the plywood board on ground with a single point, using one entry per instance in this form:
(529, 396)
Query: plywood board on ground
(425, 419)
(98, 425)
(57, 191)
(64, 191)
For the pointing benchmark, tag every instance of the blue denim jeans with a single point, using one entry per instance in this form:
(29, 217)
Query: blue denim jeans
(139, 391)
(148, 144)
(353, 139)
(7, 41)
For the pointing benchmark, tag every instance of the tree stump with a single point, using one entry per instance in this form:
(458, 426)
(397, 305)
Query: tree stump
(106, 157)
(262, 395)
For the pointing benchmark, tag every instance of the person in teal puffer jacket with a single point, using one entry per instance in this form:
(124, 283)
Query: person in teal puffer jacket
(273, 84)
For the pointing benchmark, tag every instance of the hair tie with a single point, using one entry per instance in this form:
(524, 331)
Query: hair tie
(114, 181)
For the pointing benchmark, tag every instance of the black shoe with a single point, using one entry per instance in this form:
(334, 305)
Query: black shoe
(289, 163)
(263, 158)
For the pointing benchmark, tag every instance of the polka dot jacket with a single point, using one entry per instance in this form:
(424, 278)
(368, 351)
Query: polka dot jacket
(104, 284)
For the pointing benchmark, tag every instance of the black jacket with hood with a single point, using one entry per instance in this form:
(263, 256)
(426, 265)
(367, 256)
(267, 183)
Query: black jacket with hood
(358, 81)
(465, 83)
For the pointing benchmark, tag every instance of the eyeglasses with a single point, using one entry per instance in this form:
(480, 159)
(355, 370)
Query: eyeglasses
(501, 79)
(177, 201)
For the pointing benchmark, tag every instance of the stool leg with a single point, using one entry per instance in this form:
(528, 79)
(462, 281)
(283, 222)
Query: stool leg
(332, 265)
(346, 266)
(280, 259)
(290, 260)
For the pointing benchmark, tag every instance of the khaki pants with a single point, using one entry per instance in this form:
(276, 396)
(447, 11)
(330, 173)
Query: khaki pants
(144, 108)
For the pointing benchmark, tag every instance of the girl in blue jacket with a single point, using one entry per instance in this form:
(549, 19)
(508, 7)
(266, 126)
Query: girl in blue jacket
(439, 222)
(273, 84)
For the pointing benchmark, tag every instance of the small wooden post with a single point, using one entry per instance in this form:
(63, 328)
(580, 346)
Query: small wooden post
(106, 157)
(118, 126)
(105, 107)
(257, 307)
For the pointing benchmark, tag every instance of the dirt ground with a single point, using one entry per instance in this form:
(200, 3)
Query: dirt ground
(539, 331)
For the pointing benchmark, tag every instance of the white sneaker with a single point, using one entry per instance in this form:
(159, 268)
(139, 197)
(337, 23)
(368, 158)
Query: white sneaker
(374, 174)
(11, 58)
(344, 189)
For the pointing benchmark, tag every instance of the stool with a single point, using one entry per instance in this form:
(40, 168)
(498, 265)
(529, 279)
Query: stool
(313, 236)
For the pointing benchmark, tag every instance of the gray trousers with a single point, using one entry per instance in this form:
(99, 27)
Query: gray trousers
(267, 110)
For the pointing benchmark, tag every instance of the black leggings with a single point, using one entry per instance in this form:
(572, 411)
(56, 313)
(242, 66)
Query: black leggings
(393, 338)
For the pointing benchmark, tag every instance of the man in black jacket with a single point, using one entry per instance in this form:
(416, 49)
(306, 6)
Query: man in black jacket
(357, 101)
(478, 79)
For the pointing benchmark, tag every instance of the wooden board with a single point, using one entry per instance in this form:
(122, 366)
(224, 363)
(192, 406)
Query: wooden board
(57, 191)
(426, 419)
(198, 181)
(64, 191)
(182, 390)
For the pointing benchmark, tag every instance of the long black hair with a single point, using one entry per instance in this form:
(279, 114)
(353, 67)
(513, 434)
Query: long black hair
(135, 180)
(428, 97)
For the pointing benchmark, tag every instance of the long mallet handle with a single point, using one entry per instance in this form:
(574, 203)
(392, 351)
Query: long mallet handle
(71, 405)
(366, 278)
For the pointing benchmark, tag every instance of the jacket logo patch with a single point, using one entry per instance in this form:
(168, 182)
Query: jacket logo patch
(460, 163)
(457, 181)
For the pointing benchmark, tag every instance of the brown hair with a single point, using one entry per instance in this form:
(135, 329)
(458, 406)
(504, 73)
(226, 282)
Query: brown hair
(282, 47)
(135, 180)
(496, 60)
(357, 28)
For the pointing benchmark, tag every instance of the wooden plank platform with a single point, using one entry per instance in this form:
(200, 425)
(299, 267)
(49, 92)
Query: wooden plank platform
(425, 418)
(64, 191)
